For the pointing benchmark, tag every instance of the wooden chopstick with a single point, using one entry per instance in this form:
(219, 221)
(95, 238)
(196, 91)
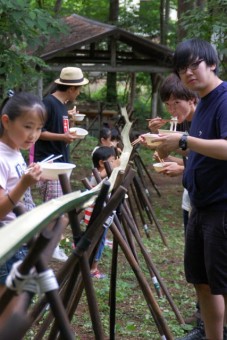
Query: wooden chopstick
(160, 159)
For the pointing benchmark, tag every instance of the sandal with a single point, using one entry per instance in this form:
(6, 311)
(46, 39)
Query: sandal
(109, 243)
(98, 275)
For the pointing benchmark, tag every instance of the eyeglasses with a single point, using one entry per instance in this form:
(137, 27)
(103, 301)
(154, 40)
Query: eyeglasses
(192, 67)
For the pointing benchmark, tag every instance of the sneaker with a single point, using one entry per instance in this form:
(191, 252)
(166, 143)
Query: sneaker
(109, 243)
(98, 275)
(59, 255)
(197, 333)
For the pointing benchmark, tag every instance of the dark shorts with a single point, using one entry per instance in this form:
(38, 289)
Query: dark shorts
(206, 249)
(6, 267)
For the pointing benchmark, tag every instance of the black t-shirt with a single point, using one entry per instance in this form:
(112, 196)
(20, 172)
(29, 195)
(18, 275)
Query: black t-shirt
(56, 123)
(184, 126)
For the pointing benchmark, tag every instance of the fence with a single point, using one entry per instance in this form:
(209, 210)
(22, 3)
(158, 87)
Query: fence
(42, 227)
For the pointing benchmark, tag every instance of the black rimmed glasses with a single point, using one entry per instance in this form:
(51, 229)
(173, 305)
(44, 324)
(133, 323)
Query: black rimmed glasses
(192, 67)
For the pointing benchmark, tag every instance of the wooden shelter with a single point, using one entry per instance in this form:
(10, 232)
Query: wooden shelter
(98, 47)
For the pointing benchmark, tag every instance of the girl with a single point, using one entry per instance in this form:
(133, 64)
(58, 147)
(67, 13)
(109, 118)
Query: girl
(22, 117)
(109, 137)
(102, 154)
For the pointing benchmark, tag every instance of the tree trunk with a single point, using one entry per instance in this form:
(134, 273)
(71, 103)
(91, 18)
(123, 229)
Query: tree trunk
(57, 6)
(155, 82)
(183, 6)
(111, 94)
(164, 21)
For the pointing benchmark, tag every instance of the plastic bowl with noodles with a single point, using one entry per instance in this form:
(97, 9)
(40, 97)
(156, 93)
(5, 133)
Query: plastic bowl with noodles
(78, 117)
(150, 137)
(50, 171)
(79, 132)
(167, 132)
(160, 166)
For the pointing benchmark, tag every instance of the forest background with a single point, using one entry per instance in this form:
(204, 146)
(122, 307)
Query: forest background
(27, 25)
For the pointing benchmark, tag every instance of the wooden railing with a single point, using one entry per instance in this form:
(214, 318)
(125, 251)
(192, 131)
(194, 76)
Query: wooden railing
(26, 226)
(74, 275)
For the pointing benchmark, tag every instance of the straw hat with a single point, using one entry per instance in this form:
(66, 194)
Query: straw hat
(71, 76)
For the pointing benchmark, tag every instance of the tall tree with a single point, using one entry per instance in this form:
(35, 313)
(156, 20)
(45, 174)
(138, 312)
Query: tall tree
(164, 20)
(206, 19)
(22, 29)
(111, 95)
(183, 7)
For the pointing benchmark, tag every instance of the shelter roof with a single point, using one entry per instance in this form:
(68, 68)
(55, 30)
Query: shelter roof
(96, 46)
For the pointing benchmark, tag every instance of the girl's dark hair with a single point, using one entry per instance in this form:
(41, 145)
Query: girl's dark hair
(105, 133)
(19, 104)
(173, 86)
(115, 134)
(102, 154)
(191, 50)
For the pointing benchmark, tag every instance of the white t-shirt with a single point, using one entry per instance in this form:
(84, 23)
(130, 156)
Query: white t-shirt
(186, 205)
(12, 166)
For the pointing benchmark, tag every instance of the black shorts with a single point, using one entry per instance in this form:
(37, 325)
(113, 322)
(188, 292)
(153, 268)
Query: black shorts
(206, 249)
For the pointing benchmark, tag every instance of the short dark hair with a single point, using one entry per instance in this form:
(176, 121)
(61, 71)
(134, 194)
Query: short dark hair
(190, 50)
(63, 88)
(115, 134)
(103, 153)
(173, 86)
(105, 133)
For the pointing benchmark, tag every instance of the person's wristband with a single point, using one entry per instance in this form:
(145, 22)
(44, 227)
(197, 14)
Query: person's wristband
(183, 142)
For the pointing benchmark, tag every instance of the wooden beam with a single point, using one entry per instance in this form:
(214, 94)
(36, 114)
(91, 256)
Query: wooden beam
(118, 68)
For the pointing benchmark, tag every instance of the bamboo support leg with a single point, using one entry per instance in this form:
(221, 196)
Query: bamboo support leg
(151, 302)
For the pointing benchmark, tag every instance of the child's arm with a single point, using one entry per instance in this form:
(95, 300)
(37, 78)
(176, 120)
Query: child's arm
(9, 199)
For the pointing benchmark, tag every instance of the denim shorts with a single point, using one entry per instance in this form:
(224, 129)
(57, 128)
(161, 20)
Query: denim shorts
(206, 249)
(6, 267)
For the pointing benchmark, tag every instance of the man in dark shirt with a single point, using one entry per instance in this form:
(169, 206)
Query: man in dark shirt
(55, 136)
(205, 178)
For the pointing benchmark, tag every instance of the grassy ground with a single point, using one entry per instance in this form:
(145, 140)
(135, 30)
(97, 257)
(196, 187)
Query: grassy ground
(133, 318)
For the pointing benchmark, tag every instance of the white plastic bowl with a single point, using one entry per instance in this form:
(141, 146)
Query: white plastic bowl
(80, 133)
(159, 166)
(149, 137)
(166, 132)
(78, 117)
(52, 170)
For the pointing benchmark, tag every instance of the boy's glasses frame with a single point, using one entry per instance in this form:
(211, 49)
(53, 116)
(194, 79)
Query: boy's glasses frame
(192, 67)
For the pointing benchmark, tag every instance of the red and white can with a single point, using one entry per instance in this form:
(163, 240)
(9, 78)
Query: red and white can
(65, 123)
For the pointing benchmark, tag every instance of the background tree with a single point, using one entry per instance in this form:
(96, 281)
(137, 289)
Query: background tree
(207, 20)
(111, 95)
(22, 29)
(164, 20)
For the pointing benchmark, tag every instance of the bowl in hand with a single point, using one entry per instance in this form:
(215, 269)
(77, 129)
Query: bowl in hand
(79, 132)
(50, 171)
(78, 117)
(166, 132)
(150, 137)
(160, 166)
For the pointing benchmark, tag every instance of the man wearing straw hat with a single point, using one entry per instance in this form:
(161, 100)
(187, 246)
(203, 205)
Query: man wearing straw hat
(55, 136)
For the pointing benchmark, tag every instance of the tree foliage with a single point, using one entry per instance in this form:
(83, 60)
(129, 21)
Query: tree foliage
(207, 20)
(22, 29)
